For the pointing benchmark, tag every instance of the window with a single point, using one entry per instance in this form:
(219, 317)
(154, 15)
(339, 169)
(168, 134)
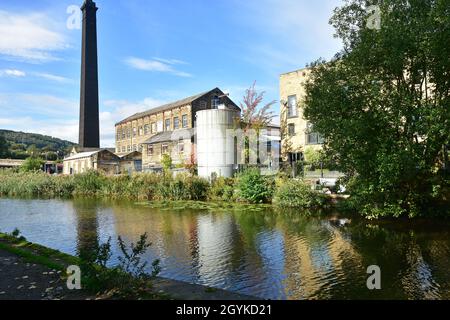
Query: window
(154, 127)
(181, 146)
(134, 132)
(149, 150)
(292, 106)
(118, 135)
(128, 133)
(146, 129)
(203, 105)
(313, 137)
(141, 131)
(165, 149)
(129, 148)
(215, 102)
(295, 157)
(123, 134)
(167, 125)
(176, 123)
(123, 149)
(185, 121)
(159, 126)
(291, 129)
(134, 147)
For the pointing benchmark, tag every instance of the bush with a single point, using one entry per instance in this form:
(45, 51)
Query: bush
(252, 187)
(222, 189)
(297, 194)
(129, 279)
(89, 183)
(32, 164)
(182, 187)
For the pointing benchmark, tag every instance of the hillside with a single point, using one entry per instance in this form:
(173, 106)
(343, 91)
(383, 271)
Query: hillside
(20, 144)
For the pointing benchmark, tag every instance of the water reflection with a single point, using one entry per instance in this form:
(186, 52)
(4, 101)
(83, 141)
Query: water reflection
(276, 255)
(86, 226)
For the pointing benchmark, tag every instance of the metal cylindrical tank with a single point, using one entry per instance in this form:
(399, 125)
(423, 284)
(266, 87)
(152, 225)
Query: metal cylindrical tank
(215, 151)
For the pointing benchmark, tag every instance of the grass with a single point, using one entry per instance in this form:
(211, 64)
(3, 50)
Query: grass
(56, 260)
(34, 253)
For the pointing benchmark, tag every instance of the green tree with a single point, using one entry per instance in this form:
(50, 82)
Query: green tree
(383, 105)
(166, 162)
(3, 147)
(32, 164)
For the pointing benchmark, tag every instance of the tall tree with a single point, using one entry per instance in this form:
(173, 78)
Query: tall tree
(383, 104)
(255, 116)
(3, 147)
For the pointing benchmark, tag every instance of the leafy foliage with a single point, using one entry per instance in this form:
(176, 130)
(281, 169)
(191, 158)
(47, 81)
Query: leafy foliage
(129, 279)
(298, 194)
(383, 106)
(166, 162)
(32, 164)
(253, 187)
(18, 145)
(3, 147)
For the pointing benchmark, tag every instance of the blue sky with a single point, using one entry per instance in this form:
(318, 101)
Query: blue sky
(150, 52)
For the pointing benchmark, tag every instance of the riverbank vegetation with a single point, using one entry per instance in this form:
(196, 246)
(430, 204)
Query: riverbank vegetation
(129, 279)
(247, 187)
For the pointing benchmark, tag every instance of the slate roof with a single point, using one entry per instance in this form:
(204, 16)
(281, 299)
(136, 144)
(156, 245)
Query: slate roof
(169, 136)
(168, 106)
(82, 155)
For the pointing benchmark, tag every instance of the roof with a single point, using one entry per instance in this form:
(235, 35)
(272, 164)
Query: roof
(11, 162)
(168, 106)
(298, 70)
(169, 136)
(82, 155)
(132, 153)
(88, 154)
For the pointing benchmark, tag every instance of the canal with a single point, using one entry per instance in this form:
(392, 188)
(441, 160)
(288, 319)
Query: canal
(259, 252)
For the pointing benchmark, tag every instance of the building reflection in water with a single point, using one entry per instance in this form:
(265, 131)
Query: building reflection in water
(276, 256)
(87, 226)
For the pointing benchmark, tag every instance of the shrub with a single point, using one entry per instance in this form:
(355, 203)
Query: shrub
(182, 187)
(166, 162)
(253, 187)
(222, 189)
(129, 279)
(32, 164)
(297, 194)
(89, 183)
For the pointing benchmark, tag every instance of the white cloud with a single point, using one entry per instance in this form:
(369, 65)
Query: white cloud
(58, 117)
(52, 77)
(170, 61)
(117, 110)
(20, 74)
(157, 65)
(12, 73)
(29, 37)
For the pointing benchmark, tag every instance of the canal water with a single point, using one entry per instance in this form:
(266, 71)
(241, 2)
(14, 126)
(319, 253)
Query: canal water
(272, 255)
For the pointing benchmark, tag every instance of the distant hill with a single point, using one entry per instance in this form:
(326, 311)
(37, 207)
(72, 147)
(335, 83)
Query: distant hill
(20, 143)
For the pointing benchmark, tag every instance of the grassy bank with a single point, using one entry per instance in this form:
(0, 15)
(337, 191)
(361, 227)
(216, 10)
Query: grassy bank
(248, 187)
(35, 253)
(117, 282)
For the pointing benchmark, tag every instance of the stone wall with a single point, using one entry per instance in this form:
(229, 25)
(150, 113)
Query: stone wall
(293, 84)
